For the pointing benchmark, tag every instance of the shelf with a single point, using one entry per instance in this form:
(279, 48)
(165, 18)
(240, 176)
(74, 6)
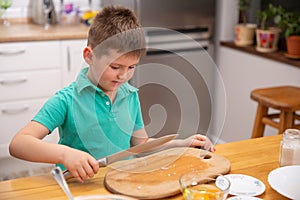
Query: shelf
(277, 56)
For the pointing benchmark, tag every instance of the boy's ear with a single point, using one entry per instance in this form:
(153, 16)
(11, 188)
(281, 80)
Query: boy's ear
(88, 55)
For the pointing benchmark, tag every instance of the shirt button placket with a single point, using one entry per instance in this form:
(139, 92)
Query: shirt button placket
(108, 104)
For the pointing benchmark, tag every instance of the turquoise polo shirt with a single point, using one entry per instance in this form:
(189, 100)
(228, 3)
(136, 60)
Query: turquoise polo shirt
(87, 120)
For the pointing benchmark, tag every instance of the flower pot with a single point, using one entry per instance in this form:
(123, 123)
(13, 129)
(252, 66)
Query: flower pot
(244, 34)
(293, 46)
(267, 40)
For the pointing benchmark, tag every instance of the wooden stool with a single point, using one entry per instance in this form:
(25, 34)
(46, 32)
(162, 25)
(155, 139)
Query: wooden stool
(286, 99)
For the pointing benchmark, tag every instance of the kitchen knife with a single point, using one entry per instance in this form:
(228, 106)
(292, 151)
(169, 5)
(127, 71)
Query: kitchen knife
(140, 148)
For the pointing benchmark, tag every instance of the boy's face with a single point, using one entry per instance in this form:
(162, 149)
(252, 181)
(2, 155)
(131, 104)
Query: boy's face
(111, 75)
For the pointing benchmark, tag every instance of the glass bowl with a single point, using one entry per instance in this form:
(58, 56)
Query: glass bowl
(201, 185)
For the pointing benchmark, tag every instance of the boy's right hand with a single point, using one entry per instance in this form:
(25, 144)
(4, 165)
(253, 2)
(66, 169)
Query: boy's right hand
(80, 164)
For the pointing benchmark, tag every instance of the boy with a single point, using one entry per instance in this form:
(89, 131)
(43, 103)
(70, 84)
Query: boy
(98, 114)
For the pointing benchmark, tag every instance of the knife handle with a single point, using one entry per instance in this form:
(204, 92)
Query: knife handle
(67, 175)
(102, 163)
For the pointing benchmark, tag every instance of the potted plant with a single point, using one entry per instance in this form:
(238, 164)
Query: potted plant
(290, 25)
(244, 32)
(267, 35)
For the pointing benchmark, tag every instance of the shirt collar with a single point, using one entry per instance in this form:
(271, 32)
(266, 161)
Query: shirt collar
(125, 90)
(82, 82)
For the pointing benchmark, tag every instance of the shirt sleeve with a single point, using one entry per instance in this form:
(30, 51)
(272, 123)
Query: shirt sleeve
(53, 112)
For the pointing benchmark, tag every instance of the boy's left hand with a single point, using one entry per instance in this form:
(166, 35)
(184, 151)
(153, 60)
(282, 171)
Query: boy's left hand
(199, 140)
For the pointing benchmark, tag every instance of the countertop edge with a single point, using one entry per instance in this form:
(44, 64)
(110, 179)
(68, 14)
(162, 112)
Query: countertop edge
(35, 39)
(277, 56)
(32, 32)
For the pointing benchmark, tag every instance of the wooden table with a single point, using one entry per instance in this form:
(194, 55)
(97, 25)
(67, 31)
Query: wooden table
(254, 157)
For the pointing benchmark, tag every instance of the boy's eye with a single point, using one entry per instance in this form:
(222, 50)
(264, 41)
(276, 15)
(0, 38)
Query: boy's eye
(118, 67)
(114, 67)
(132, 67)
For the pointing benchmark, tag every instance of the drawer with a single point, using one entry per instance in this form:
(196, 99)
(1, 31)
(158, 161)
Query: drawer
(29, 55)
(29, 84)
(14, 116)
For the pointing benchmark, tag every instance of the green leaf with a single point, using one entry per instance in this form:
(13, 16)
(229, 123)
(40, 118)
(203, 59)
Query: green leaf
(277, 19)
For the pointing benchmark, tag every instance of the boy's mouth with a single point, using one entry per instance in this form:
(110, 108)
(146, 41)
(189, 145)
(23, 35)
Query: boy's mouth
(117, 82)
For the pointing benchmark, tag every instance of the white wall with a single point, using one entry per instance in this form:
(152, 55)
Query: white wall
(241, 74)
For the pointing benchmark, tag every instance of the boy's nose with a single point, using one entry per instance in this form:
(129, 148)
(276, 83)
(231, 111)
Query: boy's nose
(122, 74)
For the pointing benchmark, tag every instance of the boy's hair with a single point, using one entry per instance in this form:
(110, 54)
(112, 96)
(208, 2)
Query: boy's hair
(116, 27)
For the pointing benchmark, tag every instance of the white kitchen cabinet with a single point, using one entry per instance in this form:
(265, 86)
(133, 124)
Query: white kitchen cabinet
(30, 72)
(15, 115)
(72, 62)
(241, 73)
(31, 84)
(22, 56)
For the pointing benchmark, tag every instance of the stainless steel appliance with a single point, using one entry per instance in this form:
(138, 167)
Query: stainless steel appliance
(173, 14)
(42, 11)
(175, 78)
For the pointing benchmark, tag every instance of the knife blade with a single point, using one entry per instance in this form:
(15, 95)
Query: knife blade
(140, 148)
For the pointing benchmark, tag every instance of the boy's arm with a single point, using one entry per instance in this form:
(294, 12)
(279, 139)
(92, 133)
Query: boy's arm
(28, 145)
(139, 137)
(197, 140)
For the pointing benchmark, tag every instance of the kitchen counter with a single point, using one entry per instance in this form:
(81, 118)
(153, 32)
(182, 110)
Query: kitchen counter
(257, 162)
(22, 32)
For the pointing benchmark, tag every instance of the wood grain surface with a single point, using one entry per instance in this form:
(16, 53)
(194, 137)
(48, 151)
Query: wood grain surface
(156, 176)
(253, 157)
(32, 32)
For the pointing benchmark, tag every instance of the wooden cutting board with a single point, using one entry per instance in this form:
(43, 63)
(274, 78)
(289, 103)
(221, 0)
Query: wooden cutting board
(156, 176)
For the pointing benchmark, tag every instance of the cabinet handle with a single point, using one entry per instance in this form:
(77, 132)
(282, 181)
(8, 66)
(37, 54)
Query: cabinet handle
(15, 110)
(12, 51)
(11, 82)
(68, 59)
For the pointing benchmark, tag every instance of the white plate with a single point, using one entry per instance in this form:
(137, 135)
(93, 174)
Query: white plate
(241, 197)
(104, 197)
(286, 181)
(245, 185)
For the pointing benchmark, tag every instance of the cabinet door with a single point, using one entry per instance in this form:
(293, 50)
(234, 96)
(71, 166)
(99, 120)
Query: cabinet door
(73, 61)
(29, 84)
(29, 55)
(14, 116)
